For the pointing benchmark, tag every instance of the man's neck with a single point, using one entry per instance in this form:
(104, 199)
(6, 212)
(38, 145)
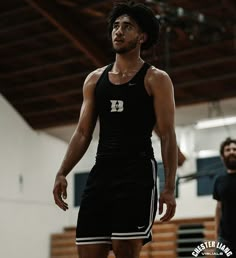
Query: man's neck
(127, 63)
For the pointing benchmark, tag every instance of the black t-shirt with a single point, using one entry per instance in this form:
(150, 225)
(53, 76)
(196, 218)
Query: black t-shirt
(225, 192)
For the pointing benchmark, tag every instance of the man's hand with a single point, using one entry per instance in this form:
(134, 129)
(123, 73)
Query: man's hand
(59, 192)
(168, 198)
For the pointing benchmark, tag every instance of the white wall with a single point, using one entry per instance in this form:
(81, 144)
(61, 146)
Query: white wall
(28, 215)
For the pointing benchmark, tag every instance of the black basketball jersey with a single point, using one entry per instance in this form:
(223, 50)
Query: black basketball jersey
(126, 115)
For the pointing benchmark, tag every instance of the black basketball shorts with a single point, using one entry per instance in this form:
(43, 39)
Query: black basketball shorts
(119, 202)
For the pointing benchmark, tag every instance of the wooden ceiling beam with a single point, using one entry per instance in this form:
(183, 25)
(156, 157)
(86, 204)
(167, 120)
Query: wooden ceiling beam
(36, 54)
(179, 55)
(15, 11)
(92, 4)
(22, 25)
(9, 6)
(48, 65)
(44, 122)
(7, 89)
(207, 47)
(205, 64)
(68, 3)
(94, 13)
(80, 39)
(27, 40)
(50, 111)
(21, 100)
(205, 80)
(194, 50)
(203, 98)
(230, 6)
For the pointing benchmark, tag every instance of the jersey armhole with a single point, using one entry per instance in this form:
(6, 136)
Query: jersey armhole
(104, 74)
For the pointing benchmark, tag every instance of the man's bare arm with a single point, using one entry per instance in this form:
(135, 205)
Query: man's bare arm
(181, 157)
(160, 87)
(84, 130)
(80, 140)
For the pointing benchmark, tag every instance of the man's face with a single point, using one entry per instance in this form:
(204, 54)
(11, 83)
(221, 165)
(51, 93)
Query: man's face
(229, 156)
(126, 34)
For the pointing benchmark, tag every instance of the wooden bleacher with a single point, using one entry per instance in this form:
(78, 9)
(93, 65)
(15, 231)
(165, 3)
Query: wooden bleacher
(164, 245)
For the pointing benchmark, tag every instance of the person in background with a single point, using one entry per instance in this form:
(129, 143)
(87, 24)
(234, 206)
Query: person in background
(225, 193)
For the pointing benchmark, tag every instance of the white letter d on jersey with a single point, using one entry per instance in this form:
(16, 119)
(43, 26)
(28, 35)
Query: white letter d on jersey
(117, 105)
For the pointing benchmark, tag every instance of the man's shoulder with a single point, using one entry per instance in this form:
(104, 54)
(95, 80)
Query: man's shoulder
(158, 81)
(98, 72)
(156, 76)
(156, 72)
(94, 76)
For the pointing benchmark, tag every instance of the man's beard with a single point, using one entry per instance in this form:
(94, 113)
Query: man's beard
(130, 46)
(230, 162)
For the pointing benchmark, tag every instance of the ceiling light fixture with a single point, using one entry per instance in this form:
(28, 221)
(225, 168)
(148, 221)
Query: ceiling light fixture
(210, 123)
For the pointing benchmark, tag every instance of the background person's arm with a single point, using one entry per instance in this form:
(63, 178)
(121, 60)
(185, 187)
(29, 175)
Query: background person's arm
(217, 219)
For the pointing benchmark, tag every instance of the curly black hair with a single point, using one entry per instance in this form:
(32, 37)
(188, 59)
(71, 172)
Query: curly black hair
(143, 16)
(226, 142)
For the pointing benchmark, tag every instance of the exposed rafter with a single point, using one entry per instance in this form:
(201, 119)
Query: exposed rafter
(78, 37)
(48, 48)
(230, 6)
(49, 65)
(92, 3)
(36, 54)
(207, 80)
(43, 83)
(228, 44)
(22, 26)
(15, 11)
(203, 98)
(28, 39)
(46, 121)
(21, 100)
(51, 111)
(204, 64)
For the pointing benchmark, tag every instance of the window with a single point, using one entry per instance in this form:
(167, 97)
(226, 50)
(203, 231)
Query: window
(207, 171)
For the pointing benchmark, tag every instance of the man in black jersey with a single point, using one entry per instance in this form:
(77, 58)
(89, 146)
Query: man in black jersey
(128, 97)
(225, 193)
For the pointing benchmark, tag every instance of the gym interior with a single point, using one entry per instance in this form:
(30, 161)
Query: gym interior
(47, 49)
